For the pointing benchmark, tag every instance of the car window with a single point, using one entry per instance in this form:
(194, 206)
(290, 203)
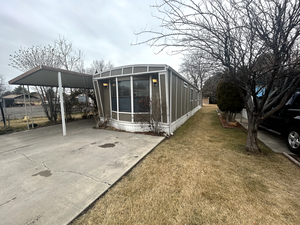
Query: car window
(289, 102)
(296, 103)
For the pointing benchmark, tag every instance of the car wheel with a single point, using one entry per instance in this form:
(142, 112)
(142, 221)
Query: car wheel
(293, 140)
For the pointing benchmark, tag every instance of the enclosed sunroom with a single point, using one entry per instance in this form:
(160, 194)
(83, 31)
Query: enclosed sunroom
(123, 93)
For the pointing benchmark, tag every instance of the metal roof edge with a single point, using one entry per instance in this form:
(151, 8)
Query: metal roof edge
(132, 65)
(23, 75)
(65, 71)
(42, 67)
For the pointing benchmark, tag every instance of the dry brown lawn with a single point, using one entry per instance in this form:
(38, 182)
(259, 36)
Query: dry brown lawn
(202, 175)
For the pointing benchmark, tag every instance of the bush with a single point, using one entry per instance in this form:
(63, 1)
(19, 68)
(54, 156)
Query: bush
(229, 100)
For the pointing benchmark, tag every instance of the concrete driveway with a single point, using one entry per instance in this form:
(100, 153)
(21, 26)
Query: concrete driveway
(46, 178)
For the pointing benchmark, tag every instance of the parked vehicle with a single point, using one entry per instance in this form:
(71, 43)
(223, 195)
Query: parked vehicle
(19, 104)
(286, 121)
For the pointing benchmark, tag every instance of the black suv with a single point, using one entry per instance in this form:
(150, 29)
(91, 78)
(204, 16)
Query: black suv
(286, 121)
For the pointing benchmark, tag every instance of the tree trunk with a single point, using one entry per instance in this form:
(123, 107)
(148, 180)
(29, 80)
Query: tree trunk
(252, 145)
(229, 117)
(233, 117)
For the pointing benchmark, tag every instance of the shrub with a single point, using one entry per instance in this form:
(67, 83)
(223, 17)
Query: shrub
(229, 100)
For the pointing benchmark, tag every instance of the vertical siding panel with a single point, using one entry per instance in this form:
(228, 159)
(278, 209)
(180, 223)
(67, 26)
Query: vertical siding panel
(184, 101)
(177, 99)
(163, 97)
(174, 97)
(155, 89)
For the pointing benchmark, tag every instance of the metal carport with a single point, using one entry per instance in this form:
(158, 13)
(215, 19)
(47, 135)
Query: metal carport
(54, 77)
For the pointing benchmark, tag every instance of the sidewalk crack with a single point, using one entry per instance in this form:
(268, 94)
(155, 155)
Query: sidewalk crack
(45, 166)
(79, 174)
(27, 157)
(8, 201)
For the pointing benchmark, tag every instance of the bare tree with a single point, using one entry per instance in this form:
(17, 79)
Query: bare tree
(60, 55)
(2, 85)
(210, 87)
(196, 66)
(237, 33)
(99, 66)
(109, 65)
(69, 58)
(26, 59)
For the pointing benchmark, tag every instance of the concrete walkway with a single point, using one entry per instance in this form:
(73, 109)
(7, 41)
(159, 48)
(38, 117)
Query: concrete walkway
(46, 178)
(272, 140)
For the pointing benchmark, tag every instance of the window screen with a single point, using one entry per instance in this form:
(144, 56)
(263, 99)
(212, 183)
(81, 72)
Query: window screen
(141, 95)
(124, 96)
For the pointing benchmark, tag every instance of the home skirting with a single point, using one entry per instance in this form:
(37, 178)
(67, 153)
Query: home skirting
(144, 127)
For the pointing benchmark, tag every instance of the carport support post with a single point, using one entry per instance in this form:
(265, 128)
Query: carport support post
(25, 107)
(61, 100)
(64, 94)
(30, 107)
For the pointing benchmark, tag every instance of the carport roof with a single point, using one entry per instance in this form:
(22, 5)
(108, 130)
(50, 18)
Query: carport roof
(47, 76)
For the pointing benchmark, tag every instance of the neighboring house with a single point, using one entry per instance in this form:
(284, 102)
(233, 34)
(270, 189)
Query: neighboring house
(205, 100)
(18, 100)
(120, 90)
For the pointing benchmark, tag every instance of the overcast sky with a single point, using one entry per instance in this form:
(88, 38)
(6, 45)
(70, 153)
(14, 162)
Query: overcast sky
(102, 29)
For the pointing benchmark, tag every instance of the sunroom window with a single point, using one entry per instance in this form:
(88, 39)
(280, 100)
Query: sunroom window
(141, 95)
(124, 96)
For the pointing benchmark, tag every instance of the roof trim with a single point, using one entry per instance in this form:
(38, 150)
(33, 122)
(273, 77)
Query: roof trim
(133, 65)
(98, 76)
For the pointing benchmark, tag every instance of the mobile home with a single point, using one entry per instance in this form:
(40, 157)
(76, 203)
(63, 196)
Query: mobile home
(120, 91)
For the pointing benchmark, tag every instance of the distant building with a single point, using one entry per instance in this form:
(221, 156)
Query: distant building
(18, 100)
(205, 100)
